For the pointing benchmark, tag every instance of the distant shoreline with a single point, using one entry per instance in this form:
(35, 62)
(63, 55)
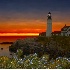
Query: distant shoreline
(6, 43)
(11, 39)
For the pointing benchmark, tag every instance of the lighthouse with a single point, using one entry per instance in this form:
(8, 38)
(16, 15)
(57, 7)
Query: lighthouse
(49, 25)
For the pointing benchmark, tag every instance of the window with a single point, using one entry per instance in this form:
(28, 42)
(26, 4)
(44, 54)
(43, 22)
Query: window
(63, 34)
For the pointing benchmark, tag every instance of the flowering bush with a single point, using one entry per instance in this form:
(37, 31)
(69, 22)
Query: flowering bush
(33, 62)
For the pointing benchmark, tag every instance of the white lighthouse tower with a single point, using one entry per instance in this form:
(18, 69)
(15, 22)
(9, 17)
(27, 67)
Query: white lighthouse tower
(49, 25)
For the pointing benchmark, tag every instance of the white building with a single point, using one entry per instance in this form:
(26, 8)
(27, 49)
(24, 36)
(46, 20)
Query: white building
(49, 25)
(65, 31)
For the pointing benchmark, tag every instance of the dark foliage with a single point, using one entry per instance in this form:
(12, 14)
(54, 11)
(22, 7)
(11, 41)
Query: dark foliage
(12, 49)
(55, 46)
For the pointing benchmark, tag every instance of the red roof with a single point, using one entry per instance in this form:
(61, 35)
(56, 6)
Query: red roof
(56, 32)
(43, 34)
(65, 28)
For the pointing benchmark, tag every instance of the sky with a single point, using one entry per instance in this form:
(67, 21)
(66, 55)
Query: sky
(30, 16)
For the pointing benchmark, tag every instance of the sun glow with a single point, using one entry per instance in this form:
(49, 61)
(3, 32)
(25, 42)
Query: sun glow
(19, 34)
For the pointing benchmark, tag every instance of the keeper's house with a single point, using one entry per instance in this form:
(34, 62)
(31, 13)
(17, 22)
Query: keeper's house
(65, 31)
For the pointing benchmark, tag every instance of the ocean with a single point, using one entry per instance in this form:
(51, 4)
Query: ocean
(4, 48)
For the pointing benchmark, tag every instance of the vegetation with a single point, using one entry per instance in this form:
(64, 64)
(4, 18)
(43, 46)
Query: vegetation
(32, 61)
(55, 46)
(58, 45)
(43, 52)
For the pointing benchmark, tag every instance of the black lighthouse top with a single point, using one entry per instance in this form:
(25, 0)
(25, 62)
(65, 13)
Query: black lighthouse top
(49, 15)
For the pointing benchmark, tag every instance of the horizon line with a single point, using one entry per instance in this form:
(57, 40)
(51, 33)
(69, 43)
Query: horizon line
(19, 34)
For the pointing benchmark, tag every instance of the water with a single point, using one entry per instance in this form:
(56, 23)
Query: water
(5, 51)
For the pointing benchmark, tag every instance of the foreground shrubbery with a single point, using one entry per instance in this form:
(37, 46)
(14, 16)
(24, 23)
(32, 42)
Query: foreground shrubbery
(55, 46)
(33, 62)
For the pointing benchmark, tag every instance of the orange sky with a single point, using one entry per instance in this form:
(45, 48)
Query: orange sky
(19, 24)
(30, 16)
(23, 27)
(28, 26)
